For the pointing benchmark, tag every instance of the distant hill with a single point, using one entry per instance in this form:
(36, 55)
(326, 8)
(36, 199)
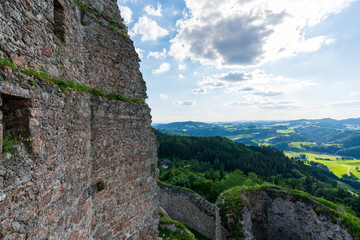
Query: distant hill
(319, 135)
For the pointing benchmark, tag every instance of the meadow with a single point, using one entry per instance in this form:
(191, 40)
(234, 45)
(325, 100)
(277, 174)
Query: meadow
(336, 165)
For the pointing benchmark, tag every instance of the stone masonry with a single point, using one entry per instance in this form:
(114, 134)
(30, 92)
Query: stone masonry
(191, 209)
(85, 167)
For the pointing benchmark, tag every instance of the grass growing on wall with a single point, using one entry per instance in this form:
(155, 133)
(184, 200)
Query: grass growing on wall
(166, 233)
(65, 84)
(7, 143)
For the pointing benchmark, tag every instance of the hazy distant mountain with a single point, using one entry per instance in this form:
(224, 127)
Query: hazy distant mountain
(320, 135)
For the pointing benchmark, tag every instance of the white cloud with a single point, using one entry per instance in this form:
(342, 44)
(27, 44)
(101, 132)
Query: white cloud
(330, 41)
(354, 94)
(126, 13)
(267, 104)
(140, 52)
(148, 29)
(162, 68)
(182, 66)
(247, 33)
(199, 91)
(184, 103)
(181, 76)
(257, 83)
(150, 10)
(210, 83)
(345, 103)
(158, 55)
(163, 96)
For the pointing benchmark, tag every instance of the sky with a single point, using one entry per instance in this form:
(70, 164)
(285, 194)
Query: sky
(236, 60)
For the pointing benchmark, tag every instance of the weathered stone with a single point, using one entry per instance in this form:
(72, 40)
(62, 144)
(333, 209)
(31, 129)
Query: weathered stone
(270, 214)
(83, 169)
(47, 52)
(190, 209)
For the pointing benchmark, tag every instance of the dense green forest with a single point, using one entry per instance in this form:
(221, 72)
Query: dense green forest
(211, 165)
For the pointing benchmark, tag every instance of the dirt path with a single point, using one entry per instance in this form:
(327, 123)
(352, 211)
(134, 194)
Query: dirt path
(348, 171)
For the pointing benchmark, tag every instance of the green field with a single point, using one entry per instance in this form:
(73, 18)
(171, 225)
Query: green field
(300, 145)
(285, 131)
(338, 167)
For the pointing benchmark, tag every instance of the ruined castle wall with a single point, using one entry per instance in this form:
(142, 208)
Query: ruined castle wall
(190, 209)
(122, 143)
(92, 49)
(44, 185)
(86, 166)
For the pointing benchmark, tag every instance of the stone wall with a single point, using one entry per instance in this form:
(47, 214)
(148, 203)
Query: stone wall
(85, 167)
(190, 209)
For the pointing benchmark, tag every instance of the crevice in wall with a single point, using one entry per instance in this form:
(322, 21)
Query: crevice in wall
(59, 21)
(16, 116)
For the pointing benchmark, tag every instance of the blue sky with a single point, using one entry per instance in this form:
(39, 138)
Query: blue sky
(229, 60)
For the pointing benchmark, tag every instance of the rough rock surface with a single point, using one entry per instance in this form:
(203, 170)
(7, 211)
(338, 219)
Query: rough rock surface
(86, 167)
(270, 214)
(190, 209)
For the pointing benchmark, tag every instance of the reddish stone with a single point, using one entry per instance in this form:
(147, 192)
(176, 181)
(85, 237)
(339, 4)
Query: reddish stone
(118, 229)
(19, 61)
(86, 207)
(47, 52)
(51, 217)
(109, 195)
(60, 190)
(46, 198)
(74, 236)
(77, 218)
(49, 145)
(33, 123)
(36, 113)
(71, 31)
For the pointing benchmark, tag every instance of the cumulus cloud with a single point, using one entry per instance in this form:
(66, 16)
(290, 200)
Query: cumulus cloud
(163, 96)
(199, 91)
(257, 82)
(148, 29)
(212, 83)
(235, 76)
(181, 76)
(126, 13)
(140, 52)
(184, 103)
(150, 10)
(158, 55)
(162, 68)
(247, 33)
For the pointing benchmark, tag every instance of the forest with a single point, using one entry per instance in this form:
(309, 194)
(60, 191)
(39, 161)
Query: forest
(211, 165)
